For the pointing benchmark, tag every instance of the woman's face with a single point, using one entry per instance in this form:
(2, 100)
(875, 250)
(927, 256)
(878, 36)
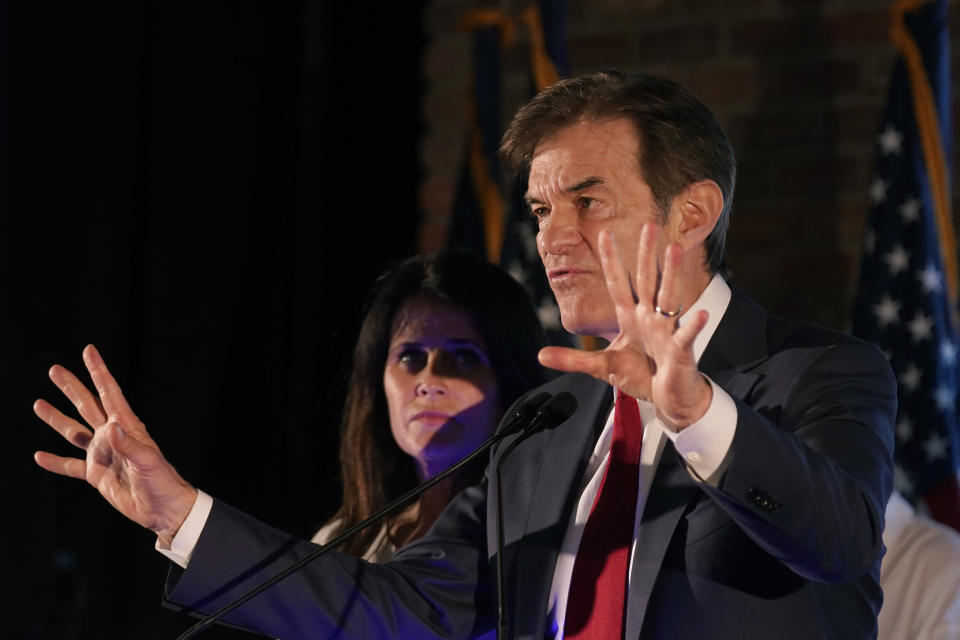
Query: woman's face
(442, 393)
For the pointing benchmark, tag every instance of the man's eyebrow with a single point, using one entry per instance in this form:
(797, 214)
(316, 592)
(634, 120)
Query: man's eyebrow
(586, 183)
(529, 199)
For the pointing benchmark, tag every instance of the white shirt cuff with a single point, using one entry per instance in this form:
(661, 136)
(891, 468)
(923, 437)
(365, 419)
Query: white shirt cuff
(705, 443)
(181, 548)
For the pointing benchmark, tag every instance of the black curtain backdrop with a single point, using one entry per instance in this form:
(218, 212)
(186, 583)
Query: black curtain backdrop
(204, 190)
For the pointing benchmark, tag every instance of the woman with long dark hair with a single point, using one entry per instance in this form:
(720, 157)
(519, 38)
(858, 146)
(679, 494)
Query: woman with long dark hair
(448, 342)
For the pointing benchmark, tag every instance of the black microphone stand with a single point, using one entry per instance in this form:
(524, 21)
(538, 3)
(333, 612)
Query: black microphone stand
(560, 407)
(526, 414)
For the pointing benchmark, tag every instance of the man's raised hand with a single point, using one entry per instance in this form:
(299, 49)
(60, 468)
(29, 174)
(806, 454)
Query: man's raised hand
(652, 356)
(122, 461)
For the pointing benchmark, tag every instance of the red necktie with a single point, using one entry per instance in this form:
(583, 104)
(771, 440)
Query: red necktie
(598, 586)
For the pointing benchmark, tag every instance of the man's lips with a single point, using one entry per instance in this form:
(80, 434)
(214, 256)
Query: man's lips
(558, 273)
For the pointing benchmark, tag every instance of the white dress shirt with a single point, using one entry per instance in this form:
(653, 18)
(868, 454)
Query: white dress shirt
(920, 576)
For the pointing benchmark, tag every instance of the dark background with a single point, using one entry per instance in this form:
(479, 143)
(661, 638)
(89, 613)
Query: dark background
(204, 190)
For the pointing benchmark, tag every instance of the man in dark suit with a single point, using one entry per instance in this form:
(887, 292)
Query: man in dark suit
(736, 490)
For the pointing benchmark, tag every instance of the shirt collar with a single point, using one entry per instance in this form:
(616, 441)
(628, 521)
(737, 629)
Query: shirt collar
(715, 299)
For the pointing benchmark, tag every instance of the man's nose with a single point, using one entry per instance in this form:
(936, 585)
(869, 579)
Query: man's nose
(560, 233)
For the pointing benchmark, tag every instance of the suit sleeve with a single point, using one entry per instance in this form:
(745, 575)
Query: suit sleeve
(810, 466)
(436, 587)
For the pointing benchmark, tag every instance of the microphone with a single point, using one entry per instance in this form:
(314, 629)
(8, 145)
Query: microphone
(548, 416)
(531, 412)
(523, 416)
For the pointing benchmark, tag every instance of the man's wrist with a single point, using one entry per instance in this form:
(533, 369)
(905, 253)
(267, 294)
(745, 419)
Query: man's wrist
(182, 507)
(182, 545)
(705, 445)
(698, 408)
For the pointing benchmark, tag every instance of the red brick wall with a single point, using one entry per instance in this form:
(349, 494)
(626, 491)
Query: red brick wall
(799, 87)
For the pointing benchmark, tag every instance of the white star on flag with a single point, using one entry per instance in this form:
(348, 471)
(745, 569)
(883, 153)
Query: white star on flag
(948, 352)
(887, 311)
(904, 428)
(920, 327)
(516, 270)
(935, 447)
(910, 379)
(901, 480)
(910, 210)
(930, 279)
(869, 241)
(890, 141)
(897, 260)
(529, 243)
(878, 191)
(549, 315)
(943, 398)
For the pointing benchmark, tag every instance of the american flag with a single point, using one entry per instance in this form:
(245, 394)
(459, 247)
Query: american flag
(906, 302)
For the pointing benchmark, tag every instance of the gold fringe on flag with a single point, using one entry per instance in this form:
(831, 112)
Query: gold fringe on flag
(928, 125)
(485, 185)
(544, 71)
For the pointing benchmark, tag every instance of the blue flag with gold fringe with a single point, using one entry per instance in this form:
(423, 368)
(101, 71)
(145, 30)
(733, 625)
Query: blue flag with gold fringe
(477, 220)
(906, 300)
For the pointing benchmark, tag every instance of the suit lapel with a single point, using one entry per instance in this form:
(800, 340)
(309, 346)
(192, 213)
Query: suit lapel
(671, 491)
(559, 466)
(738, 342)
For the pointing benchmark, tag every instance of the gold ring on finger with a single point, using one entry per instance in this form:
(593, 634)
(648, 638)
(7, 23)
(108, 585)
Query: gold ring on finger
(668, 314)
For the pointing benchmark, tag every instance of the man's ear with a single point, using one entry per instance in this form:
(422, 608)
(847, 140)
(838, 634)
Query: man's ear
(696, 210)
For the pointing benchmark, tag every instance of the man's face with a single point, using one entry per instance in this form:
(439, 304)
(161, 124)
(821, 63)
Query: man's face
(583, 180)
